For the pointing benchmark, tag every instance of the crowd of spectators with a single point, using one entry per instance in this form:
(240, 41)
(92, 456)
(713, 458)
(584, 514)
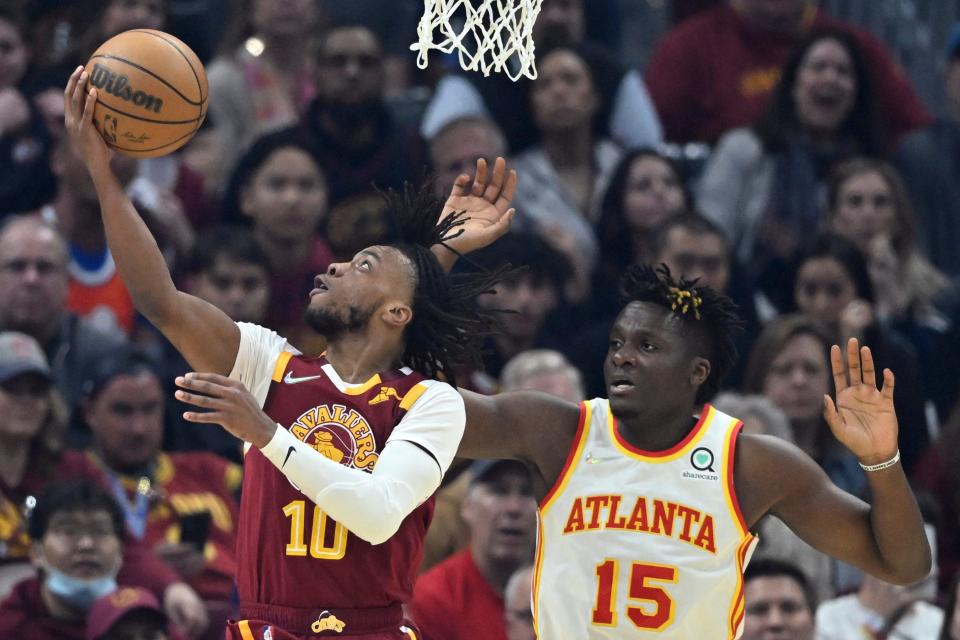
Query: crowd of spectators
(828, 208)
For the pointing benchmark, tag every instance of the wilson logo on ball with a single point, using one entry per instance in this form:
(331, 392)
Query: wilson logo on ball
(118, 85)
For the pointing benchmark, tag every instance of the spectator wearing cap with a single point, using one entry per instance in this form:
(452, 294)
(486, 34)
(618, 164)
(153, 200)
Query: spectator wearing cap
(32, 422)
(158, 492)
(77, 535)
(462, 597)
(34, 284)
(129, 613)
(716, 71)
(929, 162)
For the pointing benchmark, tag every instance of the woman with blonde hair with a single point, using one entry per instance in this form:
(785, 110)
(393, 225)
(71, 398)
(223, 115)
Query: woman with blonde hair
(33, 419)
(868, 204)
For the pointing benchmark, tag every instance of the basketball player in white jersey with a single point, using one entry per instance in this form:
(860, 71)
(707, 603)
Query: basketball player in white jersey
(648, 499)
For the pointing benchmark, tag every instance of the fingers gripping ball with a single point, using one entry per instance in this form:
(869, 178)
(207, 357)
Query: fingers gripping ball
(151, 92)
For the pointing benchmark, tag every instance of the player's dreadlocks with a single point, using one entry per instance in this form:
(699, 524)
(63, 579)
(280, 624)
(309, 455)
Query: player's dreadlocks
(449, 325)
(699, 306)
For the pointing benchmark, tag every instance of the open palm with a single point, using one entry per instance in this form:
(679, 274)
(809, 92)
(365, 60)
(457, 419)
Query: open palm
(863, 417)
(486, 205)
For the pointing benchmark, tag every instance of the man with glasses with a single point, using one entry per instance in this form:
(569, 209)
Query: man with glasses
(361, 142)
(77, 546)
(33, 295)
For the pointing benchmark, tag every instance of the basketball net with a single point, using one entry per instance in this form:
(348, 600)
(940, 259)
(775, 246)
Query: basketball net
(497, 35)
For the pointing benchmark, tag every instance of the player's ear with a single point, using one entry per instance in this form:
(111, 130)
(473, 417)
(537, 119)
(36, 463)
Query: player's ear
(699, 371)
(397, 314)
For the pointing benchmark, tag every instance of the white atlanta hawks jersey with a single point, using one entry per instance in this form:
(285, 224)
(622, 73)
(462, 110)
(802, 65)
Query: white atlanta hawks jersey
(640, 544)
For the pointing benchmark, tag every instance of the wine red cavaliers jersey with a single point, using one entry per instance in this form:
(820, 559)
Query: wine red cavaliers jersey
(298, 568)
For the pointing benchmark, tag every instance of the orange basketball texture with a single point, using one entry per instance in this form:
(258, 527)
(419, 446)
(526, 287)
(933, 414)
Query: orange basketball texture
(151, 92)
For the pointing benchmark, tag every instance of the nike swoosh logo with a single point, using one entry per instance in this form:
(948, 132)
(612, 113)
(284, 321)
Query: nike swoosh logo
(289, 453)
(290, 379)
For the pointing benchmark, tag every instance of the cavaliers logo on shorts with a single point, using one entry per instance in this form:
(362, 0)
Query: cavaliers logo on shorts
(341, 434)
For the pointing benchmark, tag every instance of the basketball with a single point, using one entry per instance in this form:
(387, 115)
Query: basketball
(151, 92)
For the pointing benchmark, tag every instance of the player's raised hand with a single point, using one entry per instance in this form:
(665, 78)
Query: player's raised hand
(228, 403)
(486, 203)
(863, 417)
(78, 102)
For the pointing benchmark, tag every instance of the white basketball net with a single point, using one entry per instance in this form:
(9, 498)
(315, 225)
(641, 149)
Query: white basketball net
(497, 35)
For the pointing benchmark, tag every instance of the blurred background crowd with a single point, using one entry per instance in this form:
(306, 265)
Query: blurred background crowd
(802, 157)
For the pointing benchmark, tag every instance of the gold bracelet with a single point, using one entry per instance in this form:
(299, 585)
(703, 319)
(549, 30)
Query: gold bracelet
(883, 465)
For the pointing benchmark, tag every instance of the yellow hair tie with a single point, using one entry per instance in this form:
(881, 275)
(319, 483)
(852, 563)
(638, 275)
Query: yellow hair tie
(683, 299)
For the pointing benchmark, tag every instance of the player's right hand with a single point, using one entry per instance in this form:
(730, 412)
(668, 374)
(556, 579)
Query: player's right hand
(485, 203)
(78, 102)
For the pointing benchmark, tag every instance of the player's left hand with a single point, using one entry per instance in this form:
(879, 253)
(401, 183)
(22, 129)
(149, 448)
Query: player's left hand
(228, 404)
(486, 204)
(863, 418)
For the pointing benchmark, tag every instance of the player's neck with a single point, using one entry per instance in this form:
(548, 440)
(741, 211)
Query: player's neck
(358, 356)
(656, 431)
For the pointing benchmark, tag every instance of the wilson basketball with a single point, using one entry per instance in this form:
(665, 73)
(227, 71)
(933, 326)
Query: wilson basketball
(151, 92)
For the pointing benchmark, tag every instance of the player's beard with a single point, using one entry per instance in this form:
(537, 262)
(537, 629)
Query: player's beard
(331, 325)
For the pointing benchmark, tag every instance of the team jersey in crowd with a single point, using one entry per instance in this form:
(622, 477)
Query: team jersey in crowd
(180, 484)
(638, 544)
(298, 568)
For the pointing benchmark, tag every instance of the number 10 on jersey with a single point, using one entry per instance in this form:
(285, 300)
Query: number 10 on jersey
(320, 547)
(658, 612)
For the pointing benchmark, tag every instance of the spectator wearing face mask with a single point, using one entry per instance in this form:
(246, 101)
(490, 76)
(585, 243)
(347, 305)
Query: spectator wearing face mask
(77, 534)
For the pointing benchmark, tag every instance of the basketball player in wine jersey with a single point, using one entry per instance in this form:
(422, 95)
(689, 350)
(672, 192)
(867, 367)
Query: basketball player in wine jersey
(648, 499)
(346, 448)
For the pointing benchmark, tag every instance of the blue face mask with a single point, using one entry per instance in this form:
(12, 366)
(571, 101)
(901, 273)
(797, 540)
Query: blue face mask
(79, 593)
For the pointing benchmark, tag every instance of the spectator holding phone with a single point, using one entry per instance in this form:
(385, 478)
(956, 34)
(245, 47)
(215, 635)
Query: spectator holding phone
(183, 505)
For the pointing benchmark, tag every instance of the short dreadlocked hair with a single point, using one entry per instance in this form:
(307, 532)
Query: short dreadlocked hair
(449, 326)
(699, 306)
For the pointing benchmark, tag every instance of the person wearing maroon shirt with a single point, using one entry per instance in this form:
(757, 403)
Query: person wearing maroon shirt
(123, 406)
(128, 613)
(31, 431)
(463, 597)
(365, 431)
(77, 531)
(716, 70)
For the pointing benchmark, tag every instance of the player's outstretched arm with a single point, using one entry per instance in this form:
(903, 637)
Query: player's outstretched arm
(206, 336)
(534, 427)
(486, 203)
(885, 538)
